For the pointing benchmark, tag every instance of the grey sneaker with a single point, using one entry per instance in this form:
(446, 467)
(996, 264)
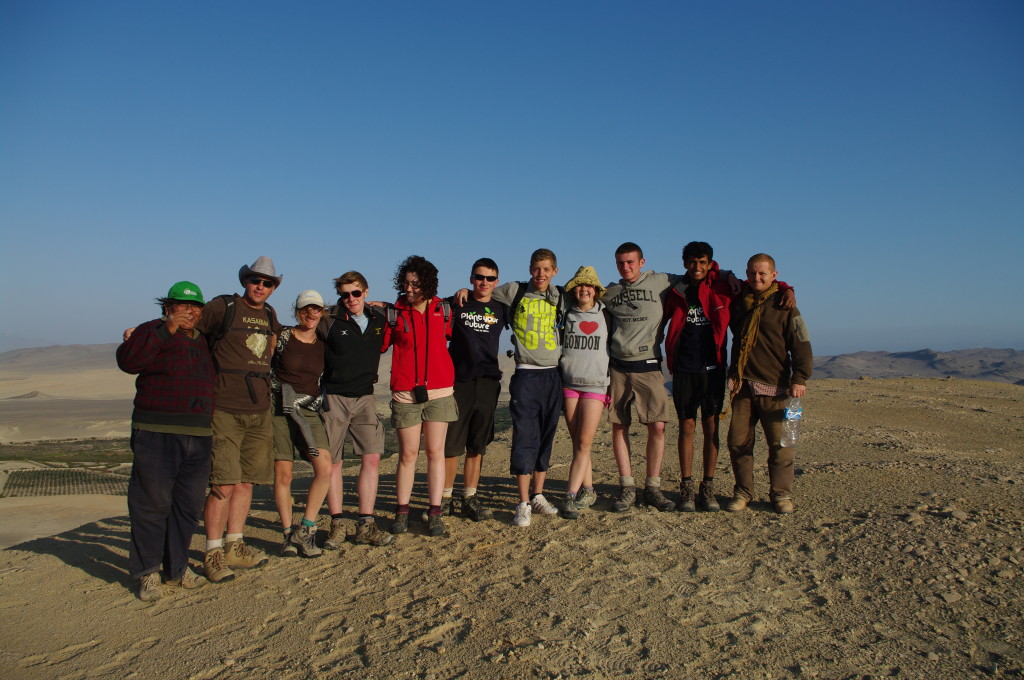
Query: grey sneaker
(706, 501)
(367, 533)
(401, 523)
(571, 508)
(216, 567)
(655, 498)
(304, 540)
(446, 509)
(241, 556)
(337, 536)
(687, 500)
(189, 580)
(436, 527)
(585, 498)
(473, 509)
(288, 549)
(150, 587)
(627, 499)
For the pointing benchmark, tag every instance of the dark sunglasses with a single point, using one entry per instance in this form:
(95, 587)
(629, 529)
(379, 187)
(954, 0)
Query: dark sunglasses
(484, 277)
(344, 295)
(266, 282)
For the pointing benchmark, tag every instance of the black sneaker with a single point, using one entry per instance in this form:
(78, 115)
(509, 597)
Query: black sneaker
(473, 509)
(687, 500)
(706, 500)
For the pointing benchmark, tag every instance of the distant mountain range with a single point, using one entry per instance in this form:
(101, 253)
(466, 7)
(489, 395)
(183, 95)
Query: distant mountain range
(999, 365)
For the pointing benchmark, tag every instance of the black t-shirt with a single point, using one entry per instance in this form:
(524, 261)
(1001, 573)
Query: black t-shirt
(476, 330)
(696, 352)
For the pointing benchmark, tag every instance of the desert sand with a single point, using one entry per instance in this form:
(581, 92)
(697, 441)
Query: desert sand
(904, 559)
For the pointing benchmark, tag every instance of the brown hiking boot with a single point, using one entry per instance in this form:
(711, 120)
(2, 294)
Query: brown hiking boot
(687, 501)
(783, 506)
(367, 533)
(189, 580)
(241, 556)
(737, 504)
(337, 536)
(627, 499)
(304, 540)
(216, 567)
(706, 500)
(655, 498)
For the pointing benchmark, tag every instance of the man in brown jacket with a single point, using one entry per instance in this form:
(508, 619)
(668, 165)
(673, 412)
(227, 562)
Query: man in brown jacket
(771, 362)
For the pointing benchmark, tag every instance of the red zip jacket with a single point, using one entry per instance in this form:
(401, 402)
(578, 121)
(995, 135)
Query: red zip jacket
(715, 296)
(410, 337)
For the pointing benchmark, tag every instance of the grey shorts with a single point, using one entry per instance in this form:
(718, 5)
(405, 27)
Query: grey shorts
(441, 410)
(355, 417)
(289, 444)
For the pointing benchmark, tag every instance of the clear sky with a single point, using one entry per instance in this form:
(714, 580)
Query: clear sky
(875, 148)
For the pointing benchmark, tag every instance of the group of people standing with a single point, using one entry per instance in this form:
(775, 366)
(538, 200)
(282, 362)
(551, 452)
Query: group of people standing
(227, 397)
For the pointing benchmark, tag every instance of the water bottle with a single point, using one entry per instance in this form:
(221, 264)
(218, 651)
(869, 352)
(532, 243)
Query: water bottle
(791, 422)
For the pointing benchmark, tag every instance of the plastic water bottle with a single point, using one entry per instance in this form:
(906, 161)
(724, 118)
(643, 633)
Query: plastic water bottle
(791, 422)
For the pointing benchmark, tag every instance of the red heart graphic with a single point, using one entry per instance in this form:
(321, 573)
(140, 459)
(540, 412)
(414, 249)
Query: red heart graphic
(588, 327)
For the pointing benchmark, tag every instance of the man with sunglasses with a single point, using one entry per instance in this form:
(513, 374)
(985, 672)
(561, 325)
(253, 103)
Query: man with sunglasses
(242, 331)
(476, 331)
(353, 334)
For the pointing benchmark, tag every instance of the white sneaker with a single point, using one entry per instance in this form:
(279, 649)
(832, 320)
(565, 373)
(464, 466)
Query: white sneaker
(542, 506)
(523, 514)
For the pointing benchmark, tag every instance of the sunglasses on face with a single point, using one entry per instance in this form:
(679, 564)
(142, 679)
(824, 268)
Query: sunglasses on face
(484, 277)
(255, 281)
(344, 295)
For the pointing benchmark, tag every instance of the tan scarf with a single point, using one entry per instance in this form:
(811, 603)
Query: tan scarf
(752, 304)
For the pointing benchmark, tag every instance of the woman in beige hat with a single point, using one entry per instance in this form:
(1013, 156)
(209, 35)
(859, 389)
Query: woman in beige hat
(584, 367)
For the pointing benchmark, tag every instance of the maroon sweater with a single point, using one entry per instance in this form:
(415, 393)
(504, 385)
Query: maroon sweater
(174, 390)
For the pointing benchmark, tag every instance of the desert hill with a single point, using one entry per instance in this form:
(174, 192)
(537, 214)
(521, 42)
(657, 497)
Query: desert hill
(999, 365)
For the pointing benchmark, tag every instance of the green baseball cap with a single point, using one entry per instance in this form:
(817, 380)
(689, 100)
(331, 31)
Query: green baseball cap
(185, 291)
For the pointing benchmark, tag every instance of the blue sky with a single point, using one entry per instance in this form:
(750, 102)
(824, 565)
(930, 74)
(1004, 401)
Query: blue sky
(876, 149)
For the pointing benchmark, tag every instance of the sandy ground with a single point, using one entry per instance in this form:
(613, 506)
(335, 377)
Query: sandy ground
(904, 559)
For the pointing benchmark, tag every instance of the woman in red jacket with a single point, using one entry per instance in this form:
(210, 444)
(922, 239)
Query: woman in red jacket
(422, 385)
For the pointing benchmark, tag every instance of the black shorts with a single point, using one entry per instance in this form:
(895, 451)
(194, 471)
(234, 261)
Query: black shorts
(474, 430)
(705, 391)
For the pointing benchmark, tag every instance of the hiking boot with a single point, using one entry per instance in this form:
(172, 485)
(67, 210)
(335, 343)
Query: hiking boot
(337, 536)
(436, 527)
(706, 500)
(241, 556)
(288, 549)
(542, 506)
(627, 499)
(446, 509)
(523, 514)
(367, 533)
(571, 508)
(737, 504)
(783, 506)
(687, 501)
(189, 580)
(216, 567)
(473, 509)
(401, 523)
(585, 498)
(304, 540)
(655, 498)
(150, 587)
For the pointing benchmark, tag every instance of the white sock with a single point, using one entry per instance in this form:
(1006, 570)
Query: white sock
(469, 491)
(231, 538)
(214, 544)
(654, 482)
(626, 480)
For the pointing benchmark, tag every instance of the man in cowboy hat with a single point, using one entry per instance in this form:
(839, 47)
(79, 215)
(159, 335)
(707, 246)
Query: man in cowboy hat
(242, 330)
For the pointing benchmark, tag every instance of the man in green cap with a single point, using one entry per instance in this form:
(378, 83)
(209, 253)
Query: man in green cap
(171, 439)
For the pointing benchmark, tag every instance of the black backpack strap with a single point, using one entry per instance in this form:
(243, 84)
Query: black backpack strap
(516, 300)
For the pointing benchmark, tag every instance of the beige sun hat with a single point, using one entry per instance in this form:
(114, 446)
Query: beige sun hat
(263, 266)
(588, 276)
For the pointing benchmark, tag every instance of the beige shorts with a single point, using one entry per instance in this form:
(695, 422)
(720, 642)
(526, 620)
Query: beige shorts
(354, 417)
(646, 391)
(289, 444)
(443, 410)
(242, 448)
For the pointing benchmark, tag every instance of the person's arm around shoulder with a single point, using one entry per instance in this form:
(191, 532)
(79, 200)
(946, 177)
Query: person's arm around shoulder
(506, 292)
(145, 343)
(786, 299)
